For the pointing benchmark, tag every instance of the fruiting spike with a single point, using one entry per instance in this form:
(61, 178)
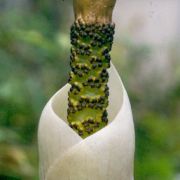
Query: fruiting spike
(90, 58)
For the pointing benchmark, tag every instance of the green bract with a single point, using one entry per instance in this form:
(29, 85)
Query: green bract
(90, 58)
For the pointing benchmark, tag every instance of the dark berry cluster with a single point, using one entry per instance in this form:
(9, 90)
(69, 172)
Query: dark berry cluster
(97, 34)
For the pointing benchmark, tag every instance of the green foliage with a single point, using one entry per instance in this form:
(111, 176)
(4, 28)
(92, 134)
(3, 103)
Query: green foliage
(31, 61)
(156, 115)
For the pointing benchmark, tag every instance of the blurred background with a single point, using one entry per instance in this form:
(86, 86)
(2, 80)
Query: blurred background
(34, 64)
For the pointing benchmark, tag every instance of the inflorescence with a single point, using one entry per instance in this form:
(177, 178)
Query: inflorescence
(89, 60)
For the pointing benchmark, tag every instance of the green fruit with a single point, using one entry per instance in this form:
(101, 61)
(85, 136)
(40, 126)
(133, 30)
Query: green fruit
(88, 95)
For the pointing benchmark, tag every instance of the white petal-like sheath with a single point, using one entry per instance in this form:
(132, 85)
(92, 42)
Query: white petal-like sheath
(106, 155)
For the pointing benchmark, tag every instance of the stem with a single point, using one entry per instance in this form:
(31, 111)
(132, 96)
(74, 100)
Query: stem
(94, 11)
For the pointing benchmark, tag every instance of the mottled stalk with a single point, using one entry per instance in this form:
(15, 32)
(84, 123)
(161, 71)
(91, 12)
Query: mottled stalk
(90, 58)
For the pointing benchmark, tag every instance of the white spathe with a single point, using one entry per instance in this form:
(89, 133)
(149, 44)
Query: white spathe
(106, 155)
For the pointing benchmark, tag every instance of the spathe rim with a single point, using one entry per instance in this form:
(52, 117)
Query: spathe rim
(53, 101)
